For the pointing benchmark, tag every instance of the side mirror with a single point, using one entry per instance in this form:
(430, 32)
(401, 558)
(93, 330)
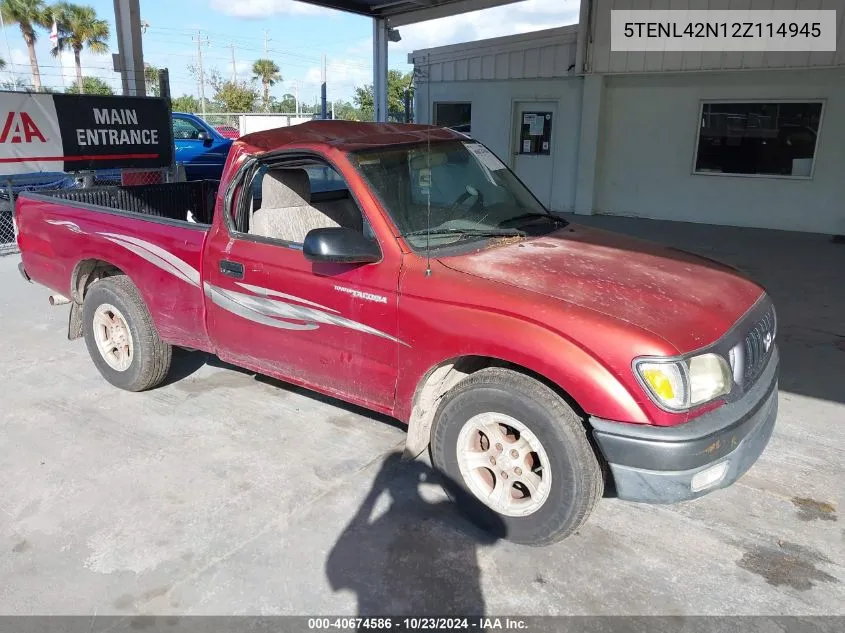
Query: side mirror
(340, 246)
(205, 137)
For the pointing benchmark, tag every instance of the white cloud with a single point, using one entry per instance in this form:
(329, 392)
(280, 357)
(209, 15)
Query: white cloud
(521, 17)
(265, 8)
(342, 77)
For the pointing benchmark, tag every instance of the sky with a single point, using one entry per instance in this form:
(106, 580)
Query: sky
(298, 34)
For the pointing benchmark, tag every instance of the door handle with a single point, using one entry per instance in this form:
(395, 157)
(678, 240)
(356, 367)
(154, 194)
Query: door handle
(232, 269)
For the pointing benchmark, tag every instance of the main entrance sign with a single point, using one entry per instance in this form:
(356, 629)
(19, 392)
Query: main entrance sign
(46, 132)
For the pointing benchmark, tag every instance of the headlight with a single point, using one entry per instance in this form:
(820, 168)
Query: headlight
(683, 384)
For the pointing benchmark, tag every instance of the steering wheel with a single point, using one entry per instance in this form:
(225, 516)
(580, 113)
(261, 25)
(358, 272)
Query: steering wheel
(471, 192)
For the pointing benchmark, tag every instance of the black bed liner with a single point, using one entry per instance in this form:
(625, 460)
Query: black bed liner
(172, 200)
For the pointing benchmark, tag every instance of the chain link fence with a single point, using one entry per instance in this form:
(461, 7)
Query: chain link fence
(11, 186)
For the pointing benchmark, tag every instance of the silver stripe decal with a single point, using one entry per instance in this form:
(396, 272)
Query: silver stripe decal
(221, 298)
(251, 305)
(70, 226)
(266, 292)
(153, 259)
(257, 307)
(185, 272)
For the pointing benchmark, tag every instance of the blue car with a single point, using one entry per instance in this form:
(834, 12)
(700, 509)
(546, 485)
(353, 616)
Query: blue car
(199, 147)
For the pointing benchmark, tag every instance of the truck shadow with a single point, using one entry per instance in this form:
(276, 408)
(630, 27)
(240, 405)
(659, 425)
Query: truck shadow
(403, 555)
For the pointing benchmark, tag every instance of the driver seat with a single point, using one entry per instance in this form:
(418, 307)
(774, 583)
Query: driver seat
(286, 213)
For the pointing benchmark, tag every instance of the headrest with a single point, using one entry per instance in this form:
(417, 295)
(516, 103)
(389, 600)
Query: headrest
(285, 188)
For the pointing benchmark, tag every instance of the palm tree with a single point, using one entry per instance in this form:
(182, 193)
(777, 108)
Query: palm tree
(267, 71)
(79, 27)
(28, 14)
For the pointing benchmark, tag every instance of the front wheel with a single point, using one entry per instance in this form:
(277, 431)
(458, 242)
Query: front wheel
(511, 442)
(120, 335)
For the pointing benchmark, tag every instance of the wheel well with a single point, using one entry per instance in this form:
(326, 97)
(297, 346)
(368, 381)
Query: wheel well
(442, 378)
(86, 273)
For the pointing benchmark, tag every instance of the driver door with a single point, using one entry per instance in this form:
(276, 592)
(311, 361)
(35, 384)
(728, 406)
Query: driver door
(331, 327)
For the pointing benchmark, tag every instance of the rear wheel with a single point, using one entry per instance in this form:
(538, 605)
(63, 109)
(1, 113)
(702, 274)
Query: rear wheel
(121, 337)
(509, 441)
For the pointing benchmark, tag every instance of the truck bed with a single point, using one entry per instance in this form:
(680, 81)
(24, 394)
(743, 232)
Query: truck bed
(142, 231)
(165, 200)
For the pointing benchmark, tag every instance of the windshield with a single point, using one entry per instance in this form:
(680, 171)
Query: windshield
(472, 195)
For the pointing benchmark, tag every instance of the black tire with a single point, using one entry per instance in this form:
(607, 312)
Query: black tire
(577, 478)
(151, 356)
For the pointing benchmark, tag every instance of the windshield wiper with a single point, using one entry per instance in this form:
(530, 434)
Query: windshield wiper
(472, 232)
(534, 215)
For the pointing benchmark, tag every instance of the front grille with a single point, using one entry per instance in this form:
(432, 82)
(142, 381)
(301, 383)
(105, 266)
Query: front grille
(758, 346)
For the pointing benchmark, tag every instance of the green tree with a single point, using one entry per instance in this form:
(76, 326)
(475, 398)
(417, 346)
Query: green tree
(185, 103)
(397, 83)
(28, 14)
(2, 63)
(79, 27)
(345, 111)
(267, 72)
(286, 104)
(91, 86)
(236, 96)
(151, 80)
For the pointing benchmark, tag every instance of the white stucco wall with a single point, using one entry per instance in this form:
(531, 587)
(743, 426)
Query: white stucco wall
(493, 120)
(647, 142)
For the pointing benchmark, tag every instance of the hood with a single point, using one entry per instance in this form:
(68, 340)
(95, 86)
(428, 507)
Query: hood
(689, 301)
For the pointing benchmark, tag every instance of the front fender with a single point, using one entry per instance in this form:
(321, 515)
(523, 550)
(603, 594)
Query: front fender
(439, 332)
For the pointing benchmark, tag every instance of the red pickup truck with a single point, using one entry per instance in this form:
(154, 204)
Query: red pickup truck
(405, 269)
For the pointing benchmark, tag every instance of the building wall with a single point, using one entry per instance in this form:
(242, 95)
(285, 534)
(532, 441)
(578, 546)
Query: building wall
(600, 59)
(546, 54)
(493, 105)
(647, 144)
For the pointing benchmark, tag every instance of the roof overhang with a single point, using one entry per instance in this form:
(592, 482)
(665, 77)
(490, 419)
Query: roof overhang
(403, 12)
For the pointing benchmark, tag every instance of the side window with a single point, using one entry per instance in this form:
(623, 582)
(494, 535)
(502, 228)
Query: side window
(286, 202)
(457, 116)
(183, 129)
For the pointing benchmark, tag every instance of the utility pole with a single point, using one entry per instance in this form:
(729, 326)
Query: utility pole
(323, 111)
(199, 65)
(234, 67)
(267, 38)
(296, 95)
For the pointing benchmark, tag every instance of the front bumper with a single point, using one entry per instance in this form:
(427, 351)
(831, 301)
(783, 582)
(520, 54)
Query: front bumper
(659, 464)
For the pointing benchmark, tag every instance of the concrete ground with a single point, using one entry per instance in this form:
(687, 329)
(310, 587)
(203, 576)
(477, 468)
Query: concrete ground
(223, 493)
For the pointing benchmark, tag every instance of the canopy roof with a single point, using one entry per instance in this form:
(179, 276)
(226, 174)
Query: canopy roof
(401, 12)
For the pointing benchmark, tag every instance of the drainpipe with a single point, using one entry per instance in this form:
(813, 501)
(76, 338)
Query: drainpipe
(584, 19)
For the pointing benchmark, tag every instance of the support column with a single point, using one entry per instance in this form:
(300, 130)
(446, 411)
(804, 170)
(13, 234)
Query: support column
(380, 69)
(588, 143)
(127, 20)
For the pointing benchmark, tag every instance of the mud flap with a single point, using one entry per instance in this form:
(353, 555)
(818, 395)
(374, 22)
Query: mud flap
(74, 326)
